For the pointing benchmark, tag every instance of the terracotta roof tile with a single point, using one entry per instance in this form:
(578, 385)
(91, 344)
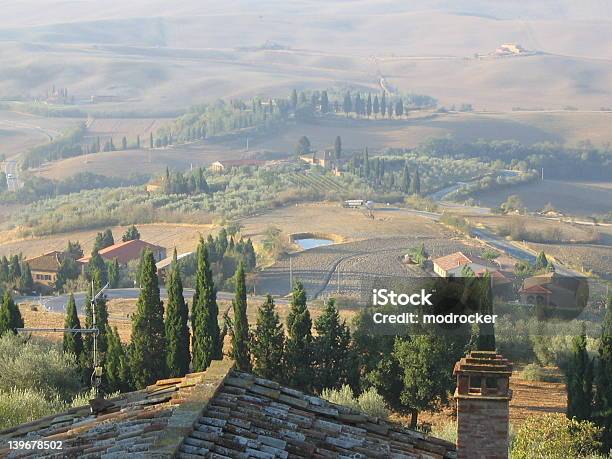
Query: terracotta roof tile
(223, 413)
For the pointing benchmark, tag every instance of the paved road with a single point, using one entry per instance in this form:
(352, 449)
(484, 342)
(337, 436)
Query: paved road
(58, 303)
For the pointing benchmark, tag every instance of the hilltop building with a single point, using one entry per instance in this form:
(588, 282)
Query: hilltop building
(325, 159)
(227, 164)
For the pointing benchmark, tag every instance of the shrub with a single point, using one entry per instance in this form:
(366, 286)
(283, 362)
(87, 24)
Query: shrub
(446, 431)
(23, 405)
(535, 372)
(343, 396)
(370, 401)
(553, 436)
(37, 366)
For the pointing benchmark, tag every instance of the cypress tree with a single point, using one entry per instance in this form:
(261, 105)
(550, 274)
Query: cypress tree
(541, 261)
(579, 380)
(347, 104)
(298, 346)
(26, 283)
(332, 349)
(338, 147)
(10, 317)
(324, 102)
(268, 341)
(177, 330)
(369, 105)
(240, 330)
(383, 104)
(376, 106)
(14, 268)
(485, 340)
(73, 342)
(148, 357)
(416, 182)
(603, 381)
(205, 340)
(4, 270)
(116, 364)
(294, 99)
(113, 273)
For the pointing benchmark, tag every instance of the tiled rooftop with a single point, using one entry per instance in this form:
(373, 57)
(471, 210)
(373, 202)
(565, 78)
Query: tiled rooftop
(223, 414)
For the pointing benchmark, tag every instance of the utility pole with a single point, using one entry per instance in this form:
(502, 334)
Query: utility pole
(96, 376)
(542, 174)
(290, 274)
(338, 269)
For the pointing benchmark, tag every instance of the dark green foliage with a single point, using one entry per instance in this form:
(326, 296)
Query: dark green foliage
(193, 182)
(332, 354)
(603, 381)
(579, 380)
(14, 268)
(205, 339)
(4, 270)
(97, 268)
(486, 334)
(148, 356)
(177, 331)
(324, 102)
(116, 364)
(240, 330)
(74, 250)
(10, 317)
(415, 186)
(399, 107)
(338, 147)
(294, 99)
(26, 283)
(347, 104)
(542, 262)
(103, 240)
(303, 146)
(406, 181)
(426, 371)
(268, 342)
(298, 346)
(113, 273)
(73, 342)
(131, 234)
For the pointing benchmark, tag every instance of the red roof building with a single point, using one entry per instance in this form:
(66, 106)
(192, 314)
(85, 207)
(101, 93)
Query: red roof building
(127, 251)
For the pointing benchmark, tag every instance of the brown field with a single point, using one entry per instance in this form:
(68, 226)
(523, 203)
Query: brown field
(20, 131)
(582, 257)
(372, 247)
(144, 161)
(116, 128)
(529, 398)
(182, 236)
(568, 231)
(574, 198)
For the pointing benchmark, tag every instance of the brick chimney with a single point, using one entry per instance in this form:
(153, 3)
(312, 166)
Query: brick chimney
(483, 397)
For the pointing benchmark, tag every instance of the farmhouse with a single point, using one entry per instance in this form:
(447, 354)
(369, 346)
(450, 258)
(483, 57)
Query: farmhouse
(127, 251)
(45, 267)
(227, 164)
(325, 159)
(451, 265)
(224, 413)
(557, 294)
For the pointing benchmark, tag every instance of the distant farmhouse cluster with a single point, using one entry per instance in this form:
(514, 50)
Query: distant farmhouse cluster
(45, 268)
